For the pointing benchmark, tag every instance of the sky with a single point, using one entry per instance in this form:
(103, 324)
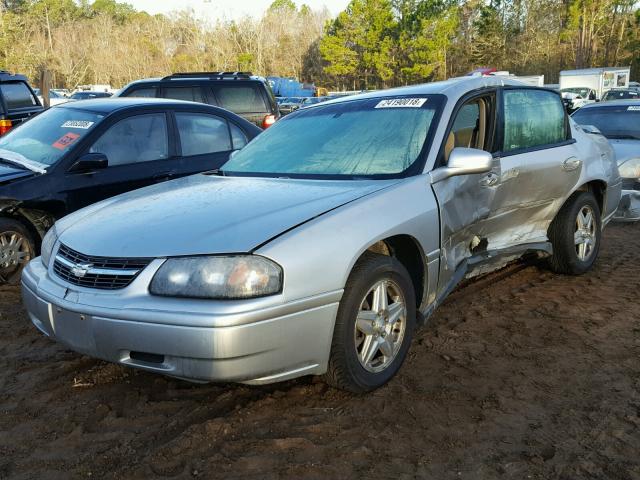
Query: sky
(230, 9)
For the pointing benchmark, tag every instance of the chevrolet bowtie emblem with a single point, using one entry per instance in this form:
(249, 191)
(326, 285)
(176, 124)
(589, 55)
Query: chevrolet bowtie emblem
(80, 270)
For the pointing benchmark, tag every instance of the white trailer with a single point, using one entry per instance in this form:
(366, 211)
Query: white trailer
(580, 87)
(533, 80)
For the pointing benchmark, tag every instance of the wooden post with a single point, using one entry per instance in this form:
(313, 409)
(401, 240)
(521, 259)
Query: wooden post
(45, 86)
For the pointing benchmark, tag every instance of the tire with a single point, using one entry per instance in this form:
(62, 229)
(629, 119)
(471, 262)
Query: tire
(16, 249)
(565, 230)
(390, 333)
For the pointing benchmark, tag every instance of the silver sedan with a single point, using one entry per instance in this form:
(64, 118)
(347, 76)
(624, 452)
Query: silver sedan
(323, 243)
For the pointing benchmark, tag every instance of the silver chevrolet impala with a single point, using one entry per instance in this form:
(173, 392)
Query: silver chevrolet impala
(322, 244)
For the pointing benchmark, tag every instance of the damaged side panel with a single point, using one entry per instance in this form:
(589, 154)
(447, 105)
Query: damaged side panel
(38, 220)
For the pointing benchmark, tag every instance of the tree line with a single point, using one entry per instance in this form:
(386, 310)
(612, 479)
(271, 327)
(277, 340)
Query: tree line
(371, 44)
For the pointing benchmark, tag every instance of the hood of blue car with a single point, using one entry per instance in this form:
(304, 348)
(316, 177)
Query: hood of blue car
(205, 214)
(9, 173)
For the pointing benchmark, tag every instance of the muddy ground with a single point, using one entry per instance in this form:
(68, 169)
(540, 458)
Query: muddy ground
(522, 375)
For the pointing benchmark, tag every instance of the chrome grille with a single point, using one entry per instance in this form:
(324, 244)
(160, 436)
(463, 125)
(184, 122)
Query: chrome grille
(103, 273)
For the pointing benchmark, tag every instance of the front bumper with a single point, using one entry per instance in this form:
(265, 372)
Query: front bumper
(263, 345)
(629, 206)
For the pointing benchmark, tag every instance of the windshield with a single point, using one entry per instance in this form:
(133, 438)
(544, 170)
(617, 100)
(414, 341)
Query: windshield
(44, 139)
(583, 92)
(620, 95)
(356, 138)
(620, 121)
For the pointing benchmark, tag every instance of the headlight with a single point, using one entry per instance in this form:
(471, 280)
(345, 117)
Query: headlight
(630, 168)
(236, 277)
(48, 242)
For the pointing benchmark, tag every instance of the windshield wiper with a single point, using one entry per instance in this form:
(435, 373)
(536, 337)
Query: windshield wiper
(14, 158)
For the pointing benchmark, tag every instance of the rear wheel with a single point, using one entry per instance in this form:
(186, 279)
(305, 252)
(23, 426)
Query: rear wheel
(16, 250)
(374, 326)
(575, 234)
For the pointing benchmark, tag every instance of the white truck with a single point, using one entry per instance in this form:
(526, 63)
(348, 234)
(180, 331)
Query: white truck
(580, 87)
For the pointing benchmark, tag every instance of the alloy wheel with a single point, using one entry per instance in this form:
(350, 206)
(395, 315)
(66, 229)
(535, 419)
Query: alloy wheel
(380, 326)
(585, 233)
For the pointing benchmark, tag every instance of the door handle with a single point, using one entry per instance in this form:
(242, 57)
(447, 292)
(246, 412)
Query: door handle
(489, 180)
(571, 164)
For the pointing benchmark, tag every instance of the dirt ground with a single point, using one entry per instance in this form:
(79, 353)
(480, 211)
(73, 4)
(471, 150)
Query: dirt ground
(522, 375)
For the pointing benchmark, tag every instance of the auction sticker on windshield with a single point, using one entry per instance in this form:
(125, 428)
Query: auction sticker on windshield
(634, 108)
(402, 103)
(66, 140)
(83, 124)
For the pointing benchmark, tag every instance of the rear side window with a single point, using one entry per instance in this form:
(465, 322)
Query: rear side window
(17, 95)
(201, 134)
(238, 137)
(241, 98)
(137, 139)
(143, 93)
(532, 118)
(190, 94)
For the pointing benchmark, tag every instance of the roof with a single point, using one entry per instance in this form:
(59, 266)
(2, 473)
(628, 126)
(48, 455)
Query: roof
(452, 88)
(191, 79)
(11, 77)
(109, 105)
(630, 102)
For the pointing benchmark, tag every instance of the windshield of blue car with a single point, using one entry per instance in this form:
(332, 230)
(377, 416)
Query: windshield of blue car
(358, 138)
(44, 139)
(615, 121)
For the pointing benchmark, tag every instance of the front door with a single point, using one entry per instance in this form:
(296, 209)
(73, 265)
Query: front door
(138, 151)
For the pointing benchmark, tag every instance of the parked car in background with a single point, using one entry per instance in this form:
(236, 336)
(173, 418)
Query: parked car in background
(290, 104)
(619, 122)
(64, 92)
(54, 97)
(18, 101)
(577, 97)
(245, 94)
(86, 95)
(318, 246)
(78, 153)
(620, 94)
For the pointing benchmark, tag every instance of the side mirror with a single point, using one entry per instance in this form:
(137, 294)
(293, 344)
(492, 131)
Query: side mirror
(464, 161)
(90, 162)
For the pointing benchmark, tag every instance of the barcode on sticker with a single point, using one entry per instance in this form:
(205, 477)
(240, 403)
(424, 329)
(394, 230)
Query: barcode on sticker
(402, 103)
(84, 124)
(634, 108)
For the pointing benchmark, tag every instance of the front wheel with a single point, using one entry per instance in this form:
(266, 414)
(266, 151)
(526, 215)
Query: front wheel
(575, 234)
(374, 326)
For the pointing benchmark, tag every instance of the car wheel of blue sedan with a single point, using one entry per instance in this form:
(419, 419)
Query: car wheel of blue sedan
(375, 325)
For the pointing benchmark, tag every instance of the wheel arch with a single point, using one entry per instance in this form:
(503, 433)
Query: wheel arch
(599, 190)
(36, 222)
(408, 251)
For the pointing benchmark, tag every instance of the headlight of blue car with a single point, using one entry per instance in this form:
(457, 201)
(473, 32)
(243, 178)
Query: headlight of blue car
(223, 278)
(630, 168)
(48, 242)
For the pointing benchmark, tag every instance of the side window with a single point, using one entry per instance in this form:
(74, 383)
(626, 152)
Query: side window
(201, 134)
(238, 137)
(190, 94)
(143, 93)
(241, 98)
(17, 95)
(470, 126)
(532, 118)
(137, 139)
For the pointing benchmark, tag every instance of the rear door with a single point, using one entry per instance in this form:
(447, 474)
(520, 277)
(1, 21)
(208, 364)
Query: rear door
(539, 163)
(189, 93)
(141, 151)
(18, 102)
(205, 141)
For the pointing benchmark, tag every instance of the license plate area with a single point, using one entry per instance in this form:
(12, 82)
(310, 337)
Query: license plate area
(73, 329)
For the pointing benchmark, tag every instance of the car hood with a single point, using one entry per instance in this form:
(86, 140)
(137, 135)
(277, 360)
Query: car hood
(9, 173)
(625, 149)
(204, 214)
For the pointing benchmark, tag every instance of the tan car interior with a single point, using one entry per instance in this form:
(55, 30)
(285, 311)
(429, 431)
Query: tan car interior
(469, 136)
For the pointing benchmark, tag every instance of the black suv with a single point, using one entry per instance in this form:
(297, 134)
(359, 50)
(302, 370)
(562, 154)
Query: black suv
(78, 153)
(18, 101)
(242, 93)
